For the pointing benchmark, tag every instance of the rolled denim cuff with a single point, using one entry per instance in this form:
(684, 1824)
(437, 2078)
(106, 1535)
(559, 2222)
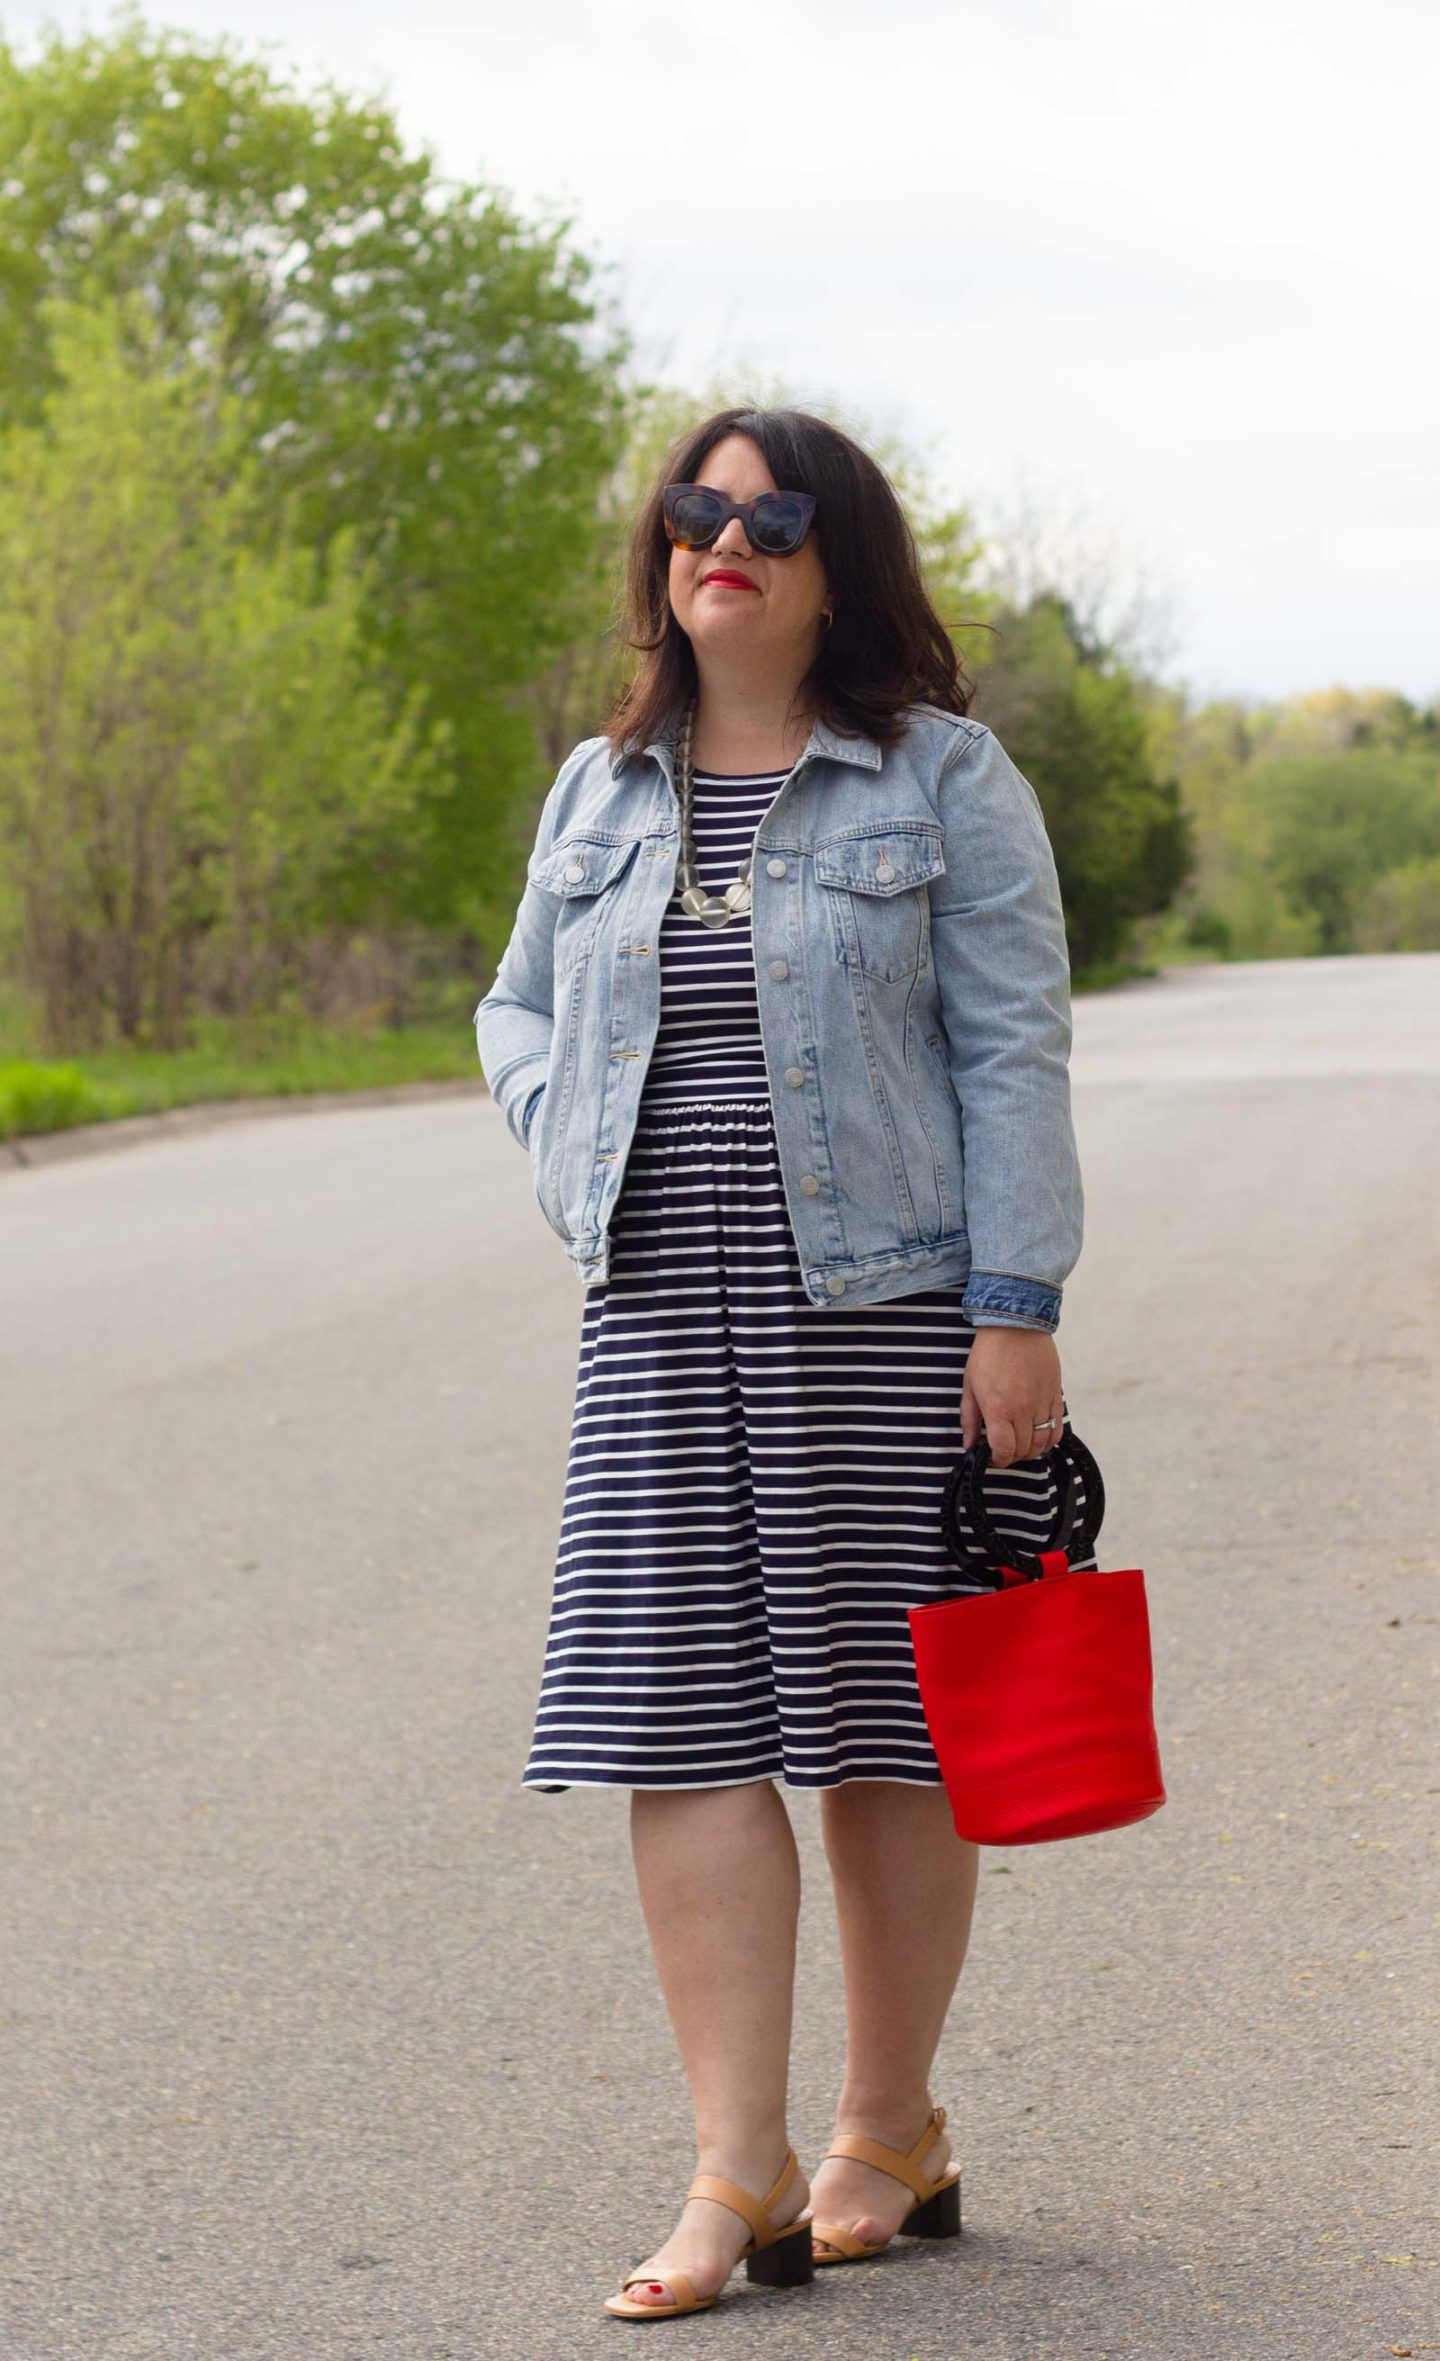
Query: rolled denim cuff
(1001, 1299)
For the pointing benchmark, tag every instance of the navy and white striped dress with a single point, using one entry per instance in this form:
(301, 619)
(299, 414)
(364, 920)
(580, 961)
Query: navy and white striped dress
(754, 1484)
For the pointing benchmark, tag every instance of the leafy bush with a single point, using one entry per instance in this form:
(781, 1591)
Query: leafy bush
(49, 1098)
(1401, 911)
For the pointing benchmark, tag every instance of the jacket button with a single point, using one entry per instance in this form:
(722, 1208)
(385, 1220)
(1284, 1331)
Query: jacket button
(779, 969)
(774, 868)
(834, 1287)
(809, 1185)
(794, 1075)
(575, 872)
(885, 873)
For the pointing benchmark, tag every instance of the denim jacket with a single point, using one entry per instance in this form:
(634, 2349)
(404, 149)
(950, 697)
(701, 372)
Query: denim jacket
(911, 964)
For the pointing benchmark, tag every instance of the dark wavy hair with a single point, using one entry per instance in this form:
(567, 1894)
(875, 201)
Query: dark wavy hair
(887, 647)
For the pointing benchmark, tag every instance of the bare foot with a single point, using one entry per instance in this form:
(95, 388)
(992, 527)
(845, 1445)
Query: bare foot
(708, 2241)
(865, 2201)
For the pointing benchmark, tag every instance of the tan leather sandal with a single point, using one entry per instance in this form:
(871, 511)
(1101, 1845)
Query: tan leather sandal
(773, 2258)
(935, 2212)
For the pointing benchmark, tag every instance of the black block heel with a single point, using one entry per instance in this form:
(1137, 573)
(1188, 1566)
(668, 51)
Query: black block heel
(938, 2217)
(790, 2262)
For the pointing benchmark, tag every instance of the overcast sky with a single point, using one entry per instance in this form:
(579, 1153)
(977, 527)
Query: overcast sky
(1167, 272)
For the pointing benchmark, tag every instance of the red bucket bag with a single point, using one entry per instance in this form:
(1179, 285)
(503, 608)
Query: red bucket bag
(1038, 1689)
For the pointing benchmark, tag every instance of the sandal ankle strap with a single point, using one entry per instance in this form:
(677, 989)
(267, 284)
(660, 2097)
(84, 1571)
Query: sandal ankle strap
(753, 2211)
(890, 2160)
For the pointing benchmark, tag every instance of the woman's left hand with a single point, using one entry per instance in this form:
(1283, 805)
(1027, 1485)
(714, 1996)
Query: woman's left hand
(1012, 1380)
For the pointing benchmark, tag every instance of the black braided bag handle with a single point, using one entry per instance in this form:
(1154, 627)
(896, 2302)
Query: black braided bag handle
(967, 1521)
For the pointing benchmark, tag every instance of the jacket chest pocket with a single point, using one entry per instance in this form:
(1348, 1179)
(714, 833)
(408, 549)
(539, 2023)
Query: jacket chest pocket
(583, 872)
(875, 883)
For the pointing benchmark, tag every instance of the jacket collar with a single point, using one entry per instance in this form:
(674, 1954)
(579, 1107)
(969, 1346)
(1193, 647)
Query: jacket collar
(837, 745)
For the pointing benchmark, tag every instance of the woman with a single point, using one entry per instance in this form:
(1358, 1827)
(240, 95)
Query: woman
(784, 1023)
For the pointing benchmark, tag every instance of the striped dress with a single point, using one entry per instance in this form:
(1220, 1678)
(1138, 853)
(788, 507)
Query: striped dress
(753, 1492)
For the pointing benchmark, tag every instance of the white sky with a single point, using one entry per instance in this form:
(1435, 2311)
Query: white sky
(1168, 270)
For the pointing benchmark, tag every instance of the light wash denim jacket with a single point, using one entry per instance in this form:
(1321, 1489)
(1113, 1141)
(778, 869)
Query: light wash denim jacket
(914, 992)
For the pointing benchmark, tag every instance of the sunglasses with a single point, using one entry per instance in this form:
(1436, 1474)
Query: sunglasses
(775, 522)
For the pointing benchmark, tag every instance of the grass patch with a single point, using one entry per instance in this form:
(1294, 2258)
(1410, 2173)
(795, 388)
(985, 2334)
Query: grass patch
(37, 1095)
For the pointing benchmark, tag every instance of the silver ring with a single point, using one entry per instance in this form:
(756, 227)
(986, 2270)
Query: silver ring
(1039, 1422)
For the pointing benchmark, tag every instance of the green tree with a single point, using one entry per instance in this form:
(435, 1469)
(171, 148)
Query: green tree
(424, 370)
(1074, 719)
(1333, 720)
(1329, 825)
(1401, 909)
(196, 771)
(1301, 811)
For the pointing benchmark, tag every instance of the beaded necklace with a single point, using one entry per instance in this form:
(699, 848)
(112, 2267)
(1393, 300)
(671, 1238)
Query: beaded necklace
(689, 891)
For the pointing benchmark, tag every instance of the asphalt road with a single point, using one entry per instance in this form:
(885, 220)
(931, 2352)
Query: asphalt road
(323, 2040)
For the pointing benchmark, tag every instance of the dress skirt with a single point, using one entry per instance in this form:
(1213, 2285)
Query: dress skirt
(754, 1484)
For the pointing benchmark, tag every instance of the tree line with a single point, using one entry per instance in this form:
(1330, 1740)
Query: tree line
(315, 473)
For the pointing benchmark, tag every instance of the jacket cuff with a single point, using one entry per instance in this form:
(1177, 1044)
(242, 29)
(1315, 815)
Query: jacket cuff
(1001, 1299)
